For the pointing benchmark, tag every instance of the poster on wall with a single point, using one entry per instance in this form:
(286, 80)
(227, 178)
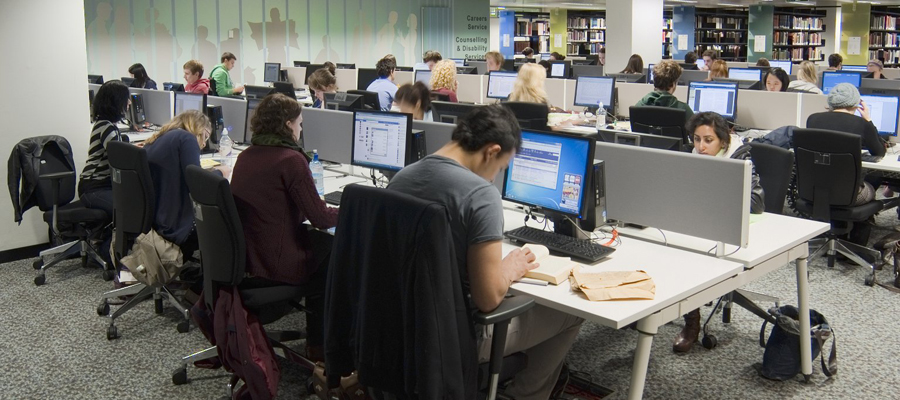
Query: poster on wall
(471, 28)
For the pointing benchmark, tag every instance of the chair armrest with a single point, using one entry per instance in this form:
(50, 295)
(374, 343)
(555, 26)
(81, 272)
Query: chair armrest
(57, 175)
(508, 308)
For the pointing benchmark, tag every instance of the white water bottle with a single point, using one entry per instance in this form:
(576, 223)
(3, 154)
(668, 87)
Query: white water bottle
(601, 116)
(318, 173)
(225, 143)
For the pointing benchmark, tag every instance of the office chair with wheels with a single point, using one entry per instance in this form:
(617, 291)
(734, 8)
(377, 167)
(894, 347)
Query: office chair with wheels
(134, 203)
(45, 164)
(529, 115)
(663, 121)
(829, 174)
(396, 308)
(223, 258)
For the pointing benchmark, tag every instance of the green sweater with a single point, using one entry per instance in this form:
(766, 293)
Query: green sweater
(224, 86)
(665, 99)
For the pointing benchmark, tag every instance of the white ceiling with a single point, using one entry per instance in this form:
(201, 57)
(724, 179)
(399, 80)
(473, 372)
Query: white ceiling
(601, 4)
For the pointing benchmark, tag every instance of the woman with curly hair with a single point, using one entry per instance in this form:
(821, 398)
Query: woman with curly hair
(443, 79)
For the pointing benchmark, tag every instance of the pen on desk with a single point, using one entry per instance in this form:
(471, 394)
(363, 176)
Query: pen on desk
(532, 281)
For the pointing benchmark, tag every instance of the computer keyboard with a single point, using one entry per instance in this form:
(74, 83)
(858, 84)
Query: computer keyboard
(579, 249)
(866, 157)
(333, 198)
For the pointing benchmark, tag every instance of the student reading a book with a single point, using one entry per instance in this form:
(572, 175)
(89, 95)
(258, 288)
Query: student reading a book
(482, 144)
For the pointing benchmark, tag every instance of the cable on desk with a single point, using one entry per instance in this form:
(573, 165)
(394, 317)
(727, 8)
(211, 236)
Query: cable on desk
(726, 255)
(665, 241)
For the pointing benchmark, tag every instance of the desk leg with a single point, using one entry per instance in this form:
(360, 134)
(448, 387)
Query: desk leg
(803, 299)
(647, 328)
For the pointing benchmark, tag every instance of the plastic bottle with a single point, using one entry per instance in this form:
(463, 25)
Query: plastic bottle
(601, 116)
(225, 143)
(318, 173)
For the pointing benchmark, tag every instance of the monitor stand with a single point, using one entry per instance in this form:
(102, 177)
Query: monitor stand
(564, 226)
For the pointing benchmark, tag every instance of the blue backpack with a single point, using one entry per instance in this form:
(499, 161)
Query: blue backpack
(781, 360)
(782, 137)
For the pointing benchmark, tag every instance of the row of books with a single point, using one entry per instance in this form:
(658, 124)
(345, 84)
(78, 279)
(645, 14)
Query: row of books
(667, 23)
(572, 48)
(586, 36)
(725, 51)
(529, 28)
(720, 37)
(885, 22)
(884, 39)
(799, 54)
(721, 23)
(586, 23)
(890, 56)
(797, 38)
(792, 22)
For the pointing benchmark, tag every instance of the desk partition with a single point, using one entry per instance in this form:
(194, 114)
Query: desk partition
(767, 110)
(569, 104)
(556, 91)
(403, 77)
(330, 132)
(234, 112)
(662, 189)
(630, 93)
(810, 104)
(346, 79)
(471, 88)
(297, 76)
(159, 105)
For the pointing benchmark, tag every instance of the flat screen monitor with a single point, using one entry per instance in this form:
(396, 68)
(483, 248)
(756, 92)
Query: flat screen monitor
(590, 91)
(787, 66)
(380, 139)
(560, 69)
(718, 97)
(508, 65)
(271, 72)
(460, 62)
(650, 73)
(550, 172)
(189, 101)
(310, 69)
(587, 70)
(343, 101)
(884, 111)
(832, 78)
(700, 63)
(173, 87)
(447, 112)
(257, 92)
(251, 110)
(545, 56)
(745, 74)
(365, 77)
(424, 76)
(345, 66)
(95, 79)
(127, 80)
(285, 88)
(500, 84)
(855, 68)
(301, 63)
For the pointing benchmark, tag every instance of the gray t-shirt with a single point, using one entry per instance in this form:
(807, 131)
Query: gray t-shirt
(474, 204)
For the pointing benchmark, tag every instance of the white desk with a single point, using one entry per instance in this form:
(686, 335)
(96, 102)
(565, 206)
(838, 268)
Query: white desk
(889, 163)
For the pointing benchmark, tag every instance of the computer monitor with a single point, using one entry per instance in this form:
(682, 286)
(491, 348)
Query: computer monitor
(700, 63)
(545, 56)
(587, 70)
(884, 111)
(560, 69)
(688, 76)
(309, 71)
(590, 91)
(460, 62)
(718, 97)
(189, 101)
(787, 66)
(832, 78)
(272, 72)
(742, 84)
(763, 68)
(127, 80)
(95, 79)
(405, 69)
(551, 173)
(370, 99)
(640, 139)
(480, 66)
(467, 70)
(285, 88)
(345, 66)
(136, 113)
(257, 92)
(628, 78)
(343, 101)
(252, 103)
(447, 112)
(855, 68)
(380, 139)
(424, 76)
(508, 65)
(745, 74)
(689, 66)
(500, 84)
(365, 77)
(173, 87)
(650, 73)
(301, 63)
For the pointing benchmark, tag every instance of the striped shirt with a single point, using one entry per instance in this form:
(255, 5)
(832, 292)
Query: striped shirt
(96, 170)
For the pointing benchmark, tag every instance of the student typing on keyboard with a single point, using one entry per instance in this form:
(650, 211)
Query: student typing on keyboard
(458, 176)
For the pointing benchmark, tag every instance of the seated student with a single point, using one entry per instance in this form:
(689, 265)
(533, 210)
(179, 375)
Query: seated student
(332, 67)
(169, 152)
(876, 67)
(763, 62)
(546, 65)
(322, 81)
(494, 60)
(141, 80)
(275, 193)
(528, 52)
(482, 145)
(708, 57)
(776, 80)
(713, 137)
(431, 58)
(415, 99)
(193, 78)
(220, 73)
(555, 56)
(835, 62)
(807, 79)
(635, 65)
(665, 79)
(601, 56)
(718, 69)
(443, 79)
(690, 61)
(384, 85)
(529, 85)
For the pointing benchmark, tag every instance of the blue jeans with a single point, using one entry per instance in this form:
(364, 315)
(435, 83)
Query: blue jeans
(101, 200)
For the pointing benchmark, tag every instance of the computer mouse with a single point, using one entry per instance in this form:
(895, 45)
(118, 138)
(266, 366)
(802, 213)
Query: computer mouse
(610, 126)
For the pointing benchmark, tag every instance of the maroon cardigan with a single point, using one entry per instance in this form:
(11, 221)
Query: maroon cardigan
(274, 193)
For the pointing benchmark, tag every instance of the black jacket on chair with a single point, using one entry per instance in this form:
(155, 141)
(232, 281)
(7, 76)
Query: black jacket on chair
(396, 310)
(25, 166)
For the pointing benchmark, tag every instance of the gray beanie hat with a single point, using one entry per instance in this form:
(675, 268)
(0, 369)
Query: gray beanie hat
(843, 95)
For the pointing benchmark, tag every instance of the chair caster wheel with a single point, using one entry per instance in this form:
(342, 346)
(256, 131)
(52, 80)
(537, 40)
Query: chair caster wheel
(831, 261)
(709, 342)
(897, 281)
(108, 275)
(726, 315)
(103, 308)
(112, 333)
(37, 264)
(158, 305)
(179, 377)
(39, 280)
(183, 326)
(84, 261)
(870, 280)
(806, 378)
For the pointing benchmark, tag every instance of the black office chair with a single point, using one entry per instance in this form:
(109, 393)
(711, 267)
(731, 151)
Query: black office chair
(370, 99)
(529, 115)
(212, 87)
(663, 121)
(439, 96)
(689, 66)
(381, 296)
(223, 258)
(134, 203)
(829, 174)
(774, 166)
(67, 220)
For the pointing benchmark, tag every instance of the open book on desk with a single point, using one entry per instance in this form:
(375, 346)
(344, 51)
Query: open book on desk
(552, 269)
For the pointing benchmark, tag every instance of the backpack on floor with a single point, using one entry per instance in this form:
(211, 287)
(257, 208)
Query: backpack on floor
(781, 360)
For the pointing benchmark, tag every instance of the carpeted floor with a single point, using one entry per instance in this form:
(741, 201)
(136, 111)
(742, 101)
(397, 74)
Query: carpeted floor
(54, 344)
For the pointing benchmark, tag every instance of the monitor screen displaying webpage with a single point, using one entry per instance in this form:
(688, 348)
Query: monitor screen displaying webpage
(379, 139)
(785, 65)
(832, 78)
(718, 97)
(884, 112)
(590, 91)
(500, 84)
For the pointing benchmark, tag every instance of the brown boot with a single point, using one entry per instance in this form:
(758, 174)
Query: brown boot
(688, 336)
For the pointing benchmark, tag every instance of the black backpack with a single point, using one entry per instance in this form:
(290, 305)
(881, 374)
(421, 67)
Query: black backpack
(781, 360)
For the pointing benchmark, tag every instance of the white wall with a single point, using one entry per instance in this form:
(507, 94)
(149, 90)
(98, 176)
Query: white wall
(45, 69)
(832, 33)
(495, 34)
(634, 27)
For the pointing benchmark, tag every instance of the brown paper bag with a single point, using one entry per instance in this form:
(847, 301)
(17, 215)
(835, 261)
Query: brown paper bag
(613, 285)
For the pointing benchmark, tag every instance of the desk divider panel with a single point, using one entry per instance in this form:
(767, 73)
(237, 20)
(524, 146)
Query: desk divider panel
(471, 88)
(437, 134)
(403, 77)
(702, 196)
(234, 112)
(891, 73)
(570, 97)
(810, 104)
(556, 91)
(95, 87)
(767, 110)
(330, 132)
(159, 105)
(346, 79)
(738, 64)
(629, 94)
(296, 76)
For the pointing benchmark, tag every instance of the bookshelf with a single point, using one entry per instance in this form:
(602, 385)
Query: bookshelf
(798, 34)
(722, 30)
(667, 34)
(532, 30)
(585, 28)
(884, 34)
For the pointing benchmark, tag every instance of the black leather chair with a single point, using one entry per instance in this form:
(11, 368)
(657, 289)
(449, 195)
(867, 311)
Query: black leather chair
(223, 258)
(68, 220)
(134, 203)
(663, 121)
(530, 115)
(370, 99)
(829, 173)
(411, 298)
(774, 166)
(439, 96)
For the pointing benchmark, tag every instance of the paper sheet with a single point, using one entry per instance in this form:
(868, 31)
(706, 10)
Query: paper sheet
(853, 44)
(682, 42)
(759, 43)
(557, 40)
(505, 40)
